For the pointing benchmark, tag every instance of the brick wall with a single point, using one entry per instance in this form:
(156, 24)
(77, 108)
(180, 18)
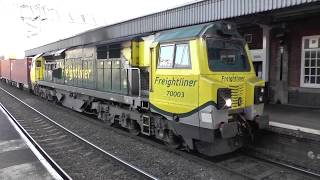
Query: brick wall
(295, 30)
(256, 34)
(298, 29)
(274, 46)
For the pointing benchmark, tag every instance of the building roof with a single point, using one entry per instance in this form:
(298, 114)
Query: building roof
(190, 14)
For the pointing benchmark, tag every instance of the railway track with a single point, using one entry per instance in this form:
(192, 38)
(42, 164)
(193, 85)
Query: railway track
(253, 167)
(301, 170)
(240, 164)
(77, 157)
(258, 168)
(54, 169)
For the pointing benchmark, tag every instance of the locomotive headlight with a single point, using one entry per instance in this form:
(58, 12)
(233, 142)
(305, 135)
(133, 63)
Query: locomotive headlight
(224, 98)
(228, 103)
(260, 99)
(259, 95)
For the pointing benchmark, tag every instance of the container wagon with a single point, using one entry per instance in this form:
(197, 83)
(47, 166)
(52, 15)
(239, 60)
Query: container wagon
(16, 72)
(5, 70)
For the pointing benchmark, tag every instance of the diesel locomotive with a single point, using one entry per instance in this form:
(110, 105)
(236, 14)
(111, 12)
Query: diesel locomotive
(193, 87)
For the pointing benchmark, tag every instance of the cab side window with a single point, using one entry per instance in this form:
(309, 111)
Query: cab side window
(166, 56)
(174, 56)
(182, 59)
(38, 63)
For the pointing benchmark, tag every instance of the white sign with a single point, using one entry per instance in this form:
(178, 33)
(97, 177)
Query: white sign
(258, 55)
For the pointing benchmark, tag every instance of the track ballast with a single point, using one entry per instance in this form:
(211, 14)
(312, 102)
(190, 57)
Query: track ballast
(78, 157)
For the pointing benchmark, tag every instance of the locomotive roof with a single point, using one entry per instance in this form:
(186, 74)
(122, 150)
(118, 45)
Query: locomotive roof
(192, 32)
(181, 33)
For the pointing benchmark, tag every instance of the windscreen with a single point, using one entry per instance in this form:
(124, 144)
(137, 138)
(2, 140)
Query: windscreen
(227, 55)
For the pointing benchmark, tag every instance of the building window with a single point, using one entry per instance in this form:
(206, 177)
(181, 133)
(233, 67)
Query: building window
(310, 64)
(248, 38)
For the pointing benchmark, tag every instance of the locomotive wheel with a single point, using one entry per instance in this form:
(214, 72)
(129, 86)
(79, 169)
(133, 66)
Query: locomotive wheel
(171, 140)
(115, 122)
(36, 91)
(48, 97)
(109, 120)
(134, 128)
(55, 100)
(41, 94)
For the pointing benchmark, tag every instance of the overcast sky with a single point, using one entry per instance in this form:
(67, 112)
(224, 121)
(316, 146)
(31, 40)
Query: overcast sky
(26, 24)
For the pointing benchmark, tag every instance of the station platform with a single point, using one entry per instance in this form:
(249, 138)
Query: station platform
(18, 160)
(294, 118)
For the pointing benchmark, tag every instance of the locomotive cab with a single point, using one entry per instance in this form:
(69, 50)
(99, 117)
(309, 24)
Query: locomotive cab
(204, 83)
(37, 69)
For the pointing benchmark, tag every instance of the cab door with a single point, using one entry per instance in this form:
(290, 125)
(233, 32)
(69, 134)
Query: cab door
(37, 69)
(174, 83)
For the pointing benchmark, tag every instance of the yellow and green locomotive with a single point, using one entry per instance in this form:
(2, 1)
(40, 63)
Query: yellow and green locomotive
(192, 87)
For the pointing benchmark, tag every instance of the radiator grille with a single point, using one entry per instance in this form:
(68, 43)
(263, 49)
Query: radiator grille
(237, 96)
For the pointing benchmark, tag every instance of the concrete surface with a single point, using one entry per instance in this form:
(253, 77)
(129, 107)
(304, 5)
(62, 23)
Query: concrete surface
(17, 161)
(297, 116)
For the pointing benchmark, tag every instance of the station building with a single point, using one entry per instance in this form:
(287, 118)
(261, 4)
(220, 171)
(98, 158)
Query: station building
(283, 35)
(285, 45)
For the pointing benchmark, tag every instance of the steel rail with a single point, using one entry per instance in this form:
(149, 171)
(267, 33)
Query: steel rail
(189, 156)
(301, 170)
(208, 162)
(136, 169)
(48, 159)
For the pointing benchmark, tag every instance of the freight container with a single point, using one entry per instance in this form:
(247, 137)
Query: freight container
(5, 70)
(20, 71)
(0, 66)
